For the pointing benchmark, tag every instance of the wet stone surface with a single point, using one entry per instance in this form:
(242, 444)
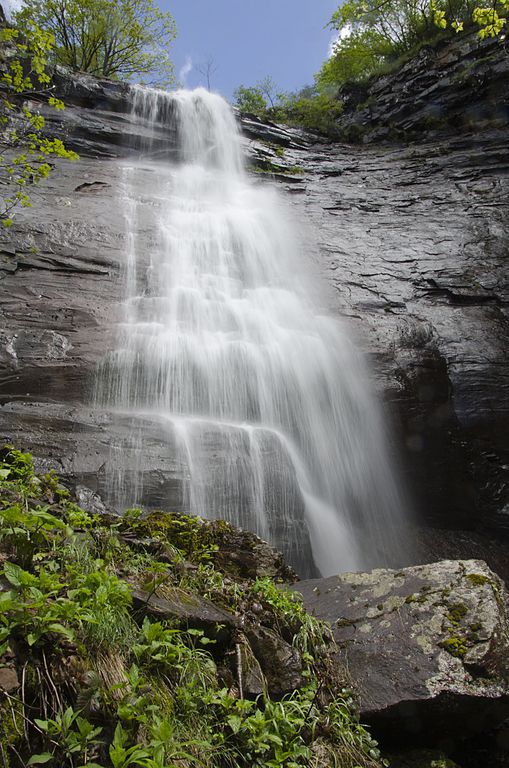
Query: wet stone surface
(410, 245)
(427, 647)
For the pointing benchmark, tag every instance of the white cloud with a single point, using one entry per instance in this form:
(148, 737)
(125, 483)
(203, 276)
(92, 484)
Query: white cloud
(185, 70)
(11, 6)
(343, 33)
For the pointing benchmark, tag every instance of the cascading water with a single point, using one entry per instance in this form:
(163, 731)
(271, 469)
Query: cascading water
(263, 401)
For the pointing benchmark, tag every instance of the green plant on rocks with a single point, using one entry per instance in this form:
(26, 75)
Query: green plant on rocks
(101, 683)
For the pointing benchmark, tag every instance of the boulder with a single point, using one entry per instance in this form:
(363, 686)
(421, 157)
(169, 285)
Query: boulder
(189, 609)
(244, 555)
(8, 677)
(279, 661)
(427, 647)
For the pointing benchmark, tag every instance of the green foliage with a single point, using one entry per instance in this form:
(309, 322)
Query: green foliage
(317, 112)
(489, 20)
(108, 38)
(132, 691)
(372, 36)
(73, 736)
(309, 635)
(307, 108)
(24, 150)
(250, 100)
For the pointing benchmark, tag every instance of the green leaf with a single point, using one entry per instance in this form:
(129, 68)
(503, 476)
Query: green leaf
(235, 723)
(13, 574)
(56, 627)
(44, 757)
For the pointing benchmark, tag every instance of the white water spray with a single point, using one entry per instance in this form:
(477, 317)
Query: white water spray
(263, 400)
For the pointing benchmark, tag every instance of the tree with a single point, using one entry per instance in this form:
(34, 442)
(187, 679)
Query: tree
(259, 98)
(250, 100)
(107, 38)
(24, 150)
(307, 108)
(207, 69)
(374, 33)
(269, 90)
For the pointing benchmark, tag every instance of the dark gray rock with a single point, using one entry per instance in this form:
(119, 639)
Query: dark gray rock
(279, 661)
(454, 86)
(184, 607)
(89, 501)
(411, 247)
(427, 647)
(244, 555)
(253, 680)
(422, 758)
(9, 681)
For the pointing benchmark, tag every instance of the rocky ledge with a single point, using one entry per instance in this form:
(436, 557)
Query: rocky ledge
(410, 246)
(125, 620)
(427, 647)
(451, 87)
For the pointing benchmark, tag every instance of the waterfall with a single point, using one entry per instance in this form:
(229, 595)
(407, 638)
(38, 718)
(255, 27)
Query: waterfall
(260, 402)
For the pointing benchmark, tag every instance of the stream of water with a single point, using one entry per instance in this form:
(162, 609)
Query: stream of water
(264, 400)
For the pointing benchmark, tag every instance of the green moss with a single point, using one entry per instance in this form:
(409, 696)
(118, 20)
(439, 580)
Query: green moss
(266, 166)
(457, 612)
(415, 598)
(294, 170)
(455, 645)
(11, 728)
(344, 623)
(190, 535)
(478, 579)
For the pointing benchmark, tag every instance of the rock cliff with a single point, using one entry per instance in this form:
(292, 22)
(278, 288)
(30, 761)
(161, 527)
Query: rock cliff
(455, 86)
(428, 649)
(411, 246)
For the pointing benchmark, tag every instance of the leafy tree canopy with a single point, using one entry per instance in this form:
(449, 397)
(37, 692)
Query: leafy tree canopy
(107, 38)
(374, 33)
(250, 100)
(307, 108)
(25, 151)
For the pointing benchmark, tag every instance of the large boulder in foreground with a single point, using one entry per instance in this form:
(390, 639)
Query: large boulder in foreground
(427, 647)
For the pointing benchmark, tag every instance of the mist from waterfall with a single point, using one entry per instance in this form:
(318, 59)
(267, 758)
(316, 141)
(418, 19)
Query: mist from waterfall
(263, 401)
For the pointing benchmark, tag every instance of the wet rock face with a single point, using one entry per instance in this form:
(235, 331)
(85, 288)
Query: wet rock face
(279, 661)
(454, 86)
(427, 646)
(411, 247)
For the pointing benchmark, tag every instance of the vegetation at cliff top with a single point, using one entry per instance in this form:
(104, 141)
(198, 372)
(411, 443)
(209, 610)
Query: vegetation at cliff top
(25, 151)
(374, 35)
(107, 38)
(90, 677)
(307, 108)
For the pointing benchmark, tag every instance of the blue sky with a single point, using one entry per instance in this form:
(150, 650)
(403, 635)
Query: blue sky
(247, 40)
(250, 39)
